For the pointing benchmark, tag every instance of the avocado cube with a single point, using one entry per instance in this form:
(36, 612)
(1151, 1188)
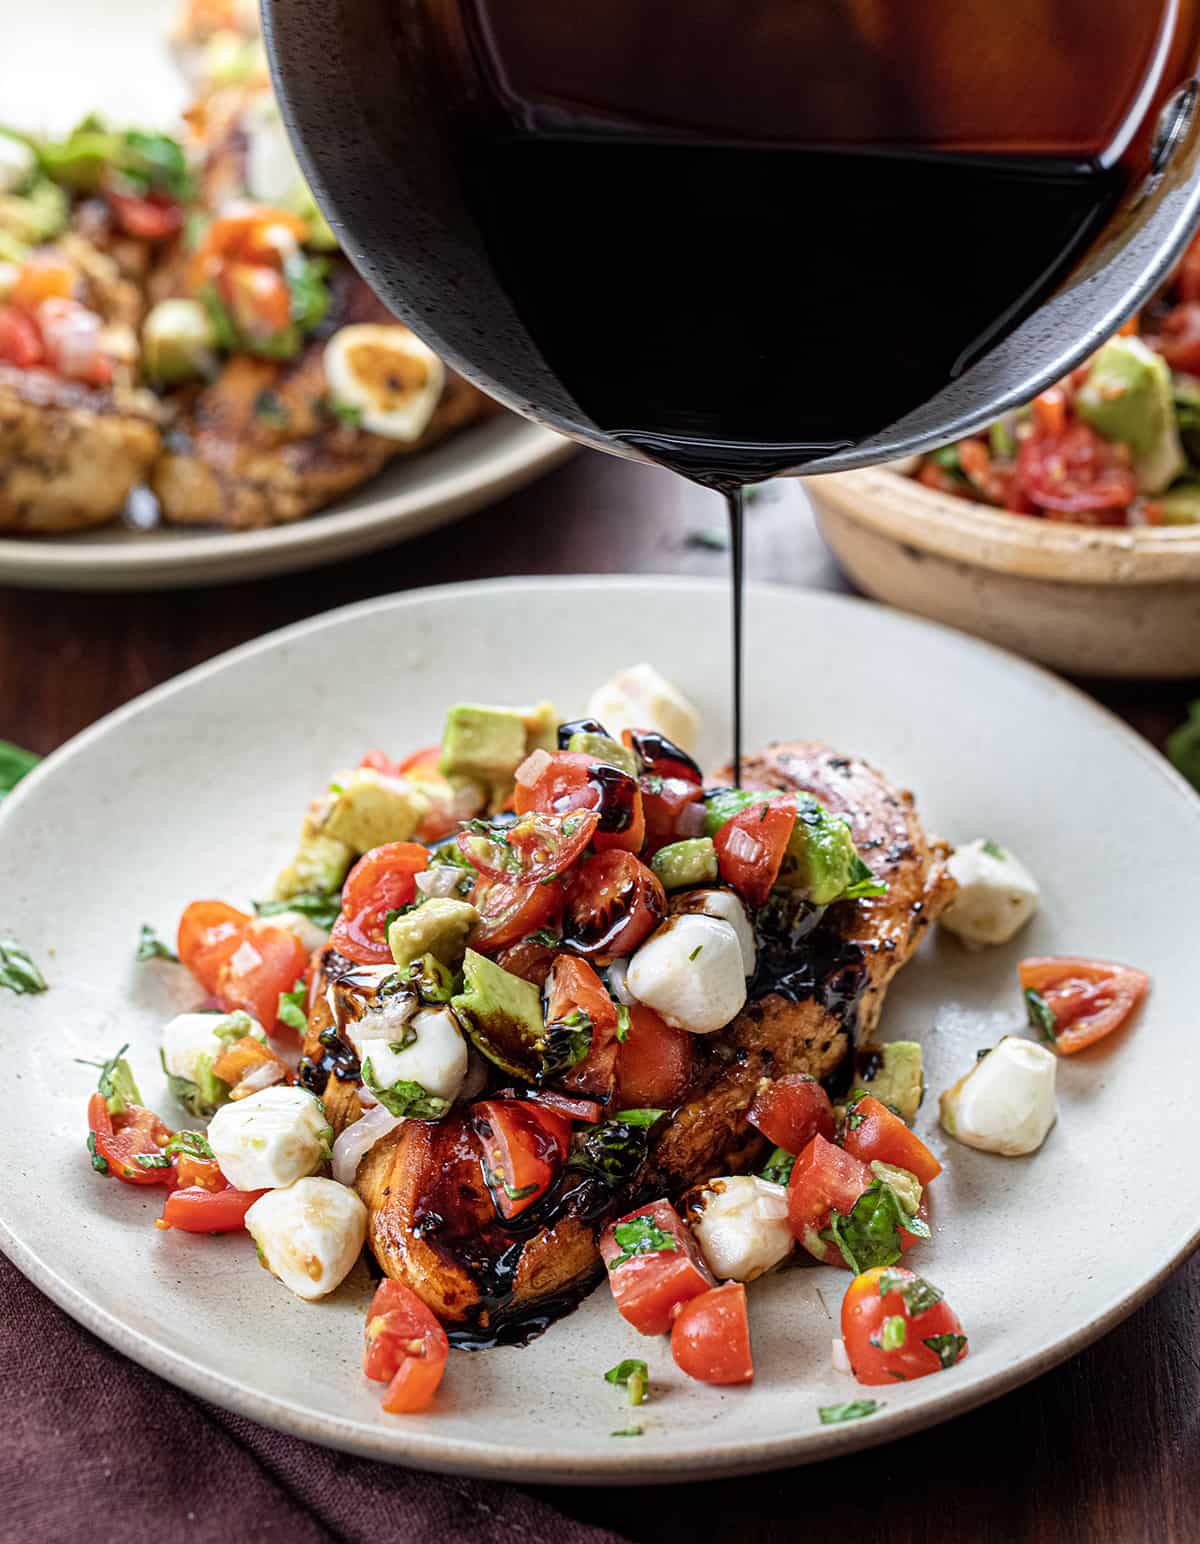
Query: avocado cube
(604, 749)
(541, 727)
(1128, 397)
(439, 926)
(893, 1074)
(819, 861)
(177, 342)
(502, 1014)
(321, 864)
(483, 743)
(370, 809)
(1181, 506)
(693, 862)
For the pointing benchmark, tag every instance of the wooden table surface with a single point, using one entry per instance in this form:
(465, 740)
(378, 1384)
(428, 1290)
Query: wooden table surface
(1107, 1447)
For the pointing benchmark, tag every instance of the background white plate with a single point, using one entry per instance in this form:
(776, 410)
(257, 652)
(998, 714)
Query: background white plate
(61, 59)
(197, 789)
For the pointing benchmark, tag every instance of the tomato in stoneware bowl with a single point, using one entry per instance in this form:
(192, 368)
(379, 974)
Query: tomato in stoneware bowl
(406, 1348)
(1076, 1002)
(897, 1326)
(383, 880)
(710, 1338)
(790, 1111)
(873, 1133)
(1077, 474)
(654, 1264)
(524, 1145)
(613, 903)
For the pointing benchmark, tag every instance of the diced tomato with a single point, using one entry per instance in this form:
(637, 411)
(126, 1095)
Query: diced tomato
(586, 1110)
(574, 987)
(209, 932)
(244, 1056)
(253, 232)
(661, 756)
(564, 784)
(1088, 998)
(1077, 473)
(195, 1209)
(267, 962)
(897, 1326)
(406, 1348)
(710, 1339)
(1186, 280)
(873, 1133)
(258, 298)
(119, 1139)
(1179, 340)
(654, 1264)
(790, 1111)
(824, 1179)
(571, 781)
(20, 341)
(156, 217)
(654, 1063)
(509, 912)
(524, 1147)
(383, 880)
(750, 847)
(536, 846)
(664, 800)
(613, 902)
(1050, 411)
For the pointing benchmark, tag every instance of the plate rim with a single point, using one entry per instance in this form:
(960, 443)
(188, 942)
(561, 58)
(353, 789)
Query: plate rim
(482, 1457)
(524, 452)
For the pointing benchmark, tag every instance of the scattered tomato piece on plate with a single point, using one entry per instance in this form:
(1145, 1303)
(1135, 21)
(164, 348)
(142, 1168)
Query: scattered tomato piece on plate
(897, 1326)
(1076, 1002)
(710, 1339)
(406, 1348)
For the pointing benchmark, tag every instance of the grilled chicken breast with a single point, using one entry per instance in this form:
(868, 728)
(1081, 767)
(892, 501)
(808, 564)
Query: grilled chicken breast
(261, 445)
(814, 997)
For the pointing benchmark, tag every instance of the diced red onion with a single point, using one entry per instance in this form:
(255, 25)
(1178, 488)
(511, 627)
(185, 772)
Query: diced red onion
(690, 820)
(358, 1140)
(742, 845)
(475, 1081)
(532, 768)
(262, 1076)
(440, 880)
(617, 973)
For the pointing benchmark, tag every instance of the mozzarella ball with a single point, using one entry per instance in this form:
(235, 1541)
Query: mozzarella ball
(270, 1139)
(641, 698)
(309, 1234)
(741, 1226)
(691, 972)
(996, 895)
(437, 1059)
(726, 906)
(1006, 1103)
(190, 1037)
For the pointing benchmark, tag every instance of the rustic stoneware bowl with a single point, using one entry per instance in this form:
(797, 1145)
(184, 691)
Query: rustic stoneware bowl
(1090, 601)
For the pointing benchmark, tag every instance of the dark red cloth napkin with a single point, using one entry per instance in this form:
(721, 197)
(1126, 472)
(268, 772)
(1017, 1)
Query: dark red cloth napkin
(93, 1448)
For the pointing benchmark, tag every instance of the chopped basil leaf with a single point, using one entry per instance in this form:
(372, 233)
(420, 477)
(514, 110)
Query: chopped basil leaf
(15, 764)
(894, 1332)
(919, 1295)
(778, 1169)
(628, 1431)
(547, 937)
(1041, 1016)
(17, 970)
(862, 882)
(408, 1038)
(709, 541)
(695, 951)
(193, 1143)
(405, 1097)
(870, 1235)
(852, 1410)
(397, 911)
(993, 850)
(98, 1163)
(565, 1042)
(633, 1375)
(349, 416)
(115, 1082)
(319, 908)
(640, 1236)
(642, 1117)
(652, 783)
(513, 1192)
(152, 1160)
(947, 1348)
(614, 1150)
(290, 1010)
(622, 1023)
(151, 947)
(433, 980)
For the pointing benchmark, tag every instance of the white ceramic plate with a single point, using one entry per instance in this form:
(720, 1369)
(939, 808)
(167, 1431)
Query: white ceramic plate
(197, 789)
(56, 64)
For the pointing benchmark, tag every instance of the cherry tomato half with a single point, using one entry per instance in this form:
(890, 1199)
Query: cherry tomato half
(536, 846)
(1077, 473)
(1088, 998)
(509, 912)
(405, 1347)
(267, 962)
(156, 217)
(196, 1209)
(571, 781)
(750, 847)
(654, 1064)
(897, 1326)
(574, 987)
(20, 341)
(119, 1139)
(873, 1133)
(664, 800)
(710, 1339)
(1179, 340)
(791, 1111)
(654, 1264)
(383, 880)
(209, 932)
(524, 1146)
(613, 902)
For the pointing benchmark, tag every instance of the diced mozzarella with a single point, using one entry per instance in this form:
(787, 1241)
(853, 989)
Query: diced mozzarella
(189, 1037)
(741, 1225)
(270, 1139)
(726, 907)
(996, 896)
(388, 374)
(437, 1059)
(1006, 1103)
(691, 972)
(309, 1234)
(17, 163)
(302, 928)
(641, 698)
